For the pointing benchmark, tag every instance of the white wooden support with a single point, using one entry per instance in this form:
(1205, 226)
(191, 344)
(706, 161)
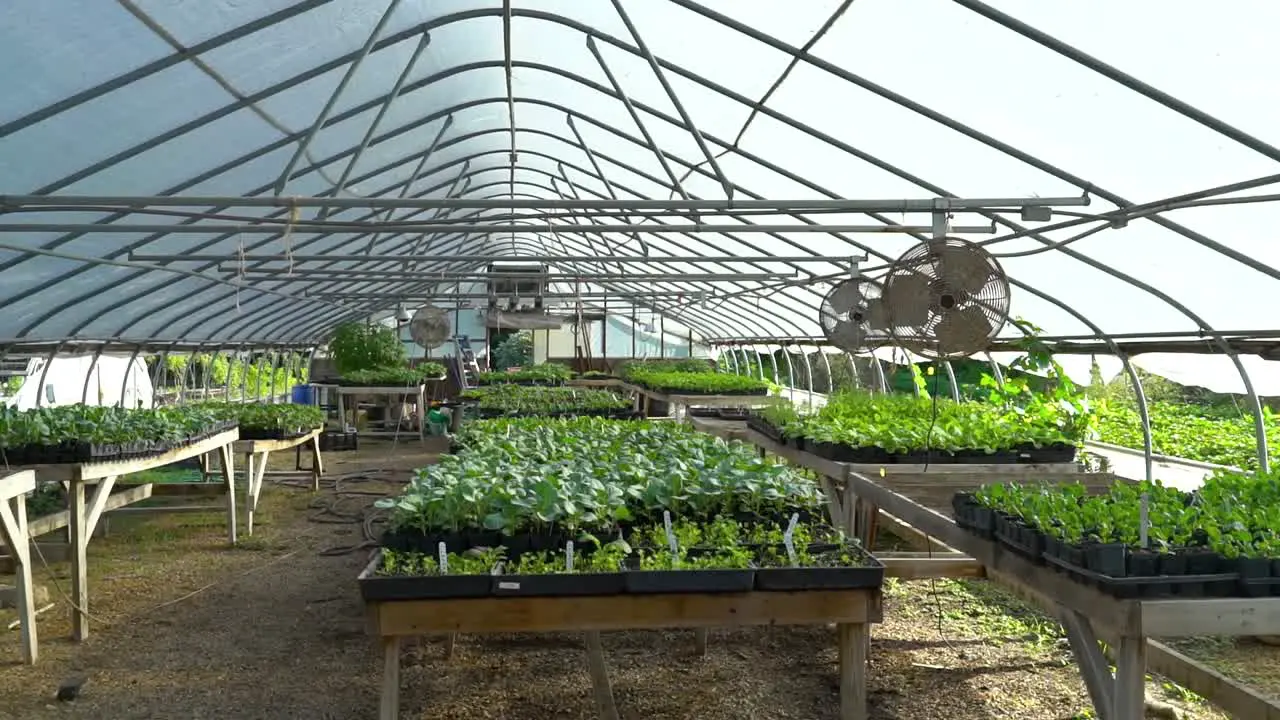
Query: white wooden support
(420, 410)
(601, 689)
(79, 539)
(229, 477)
(1131, 679)
(255, 468)
(13, 530)
(1093, 666)
(317, 465)
(98, 503)
(853, 645)
(390, 707)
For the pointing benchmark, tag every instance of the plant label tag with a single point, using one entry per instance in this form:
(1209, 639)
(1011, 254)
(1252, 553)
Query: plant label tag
(671, 536)
(786, 537)
(444, 559)
(568, 556)
(508, 585)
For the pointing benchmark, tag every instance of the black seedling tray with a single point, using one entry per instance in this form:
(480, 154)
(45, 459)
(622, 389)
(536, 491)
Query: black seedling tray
(651, 582)
(560, 584)
(426, 587)
(271, 433)
(819, 578)
(1153, 586)
(870, 575)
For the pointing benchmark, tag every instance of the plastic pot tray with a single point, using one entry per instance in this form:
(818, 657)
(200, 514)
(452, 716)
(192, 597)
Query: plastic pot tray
(560, 584)
(822, 578)
(426, 587)
(689, 581)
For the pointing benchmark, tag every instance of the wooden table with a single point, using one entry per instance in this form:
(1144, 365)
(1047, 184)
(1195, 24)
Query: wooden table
(84, 516)
(256, 454)
(416, 393)
(681, 402)
(13, 530)
(912, 504)
(851, 610)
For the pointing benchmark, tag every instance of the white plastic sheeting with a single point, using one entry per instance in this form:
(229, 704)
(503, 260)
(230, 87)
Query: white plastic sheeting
(1214, 372)
(95, 101)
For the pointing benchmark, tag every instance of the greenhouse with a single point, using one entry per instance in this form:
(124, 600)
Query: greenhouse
(638, 359)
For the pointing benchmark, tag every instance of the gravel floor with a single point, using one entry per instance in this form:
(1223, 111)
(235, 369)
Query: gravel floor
(185, 628)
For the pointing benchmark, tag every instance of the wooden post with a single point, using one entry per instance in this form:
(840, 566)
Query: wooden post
(1131, 677)
(601, 690)
(853, 644)
(390, 709)
(229, 477)
(421, 412)
(700, 641)
(79, 533)
(255, 471)
(317, 465)
(249, 467)
(13, 530)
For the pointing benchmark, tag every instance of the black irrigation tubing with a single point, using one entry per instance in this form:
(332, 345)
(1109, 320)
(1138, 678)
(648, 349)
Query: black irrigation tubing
(327, 510)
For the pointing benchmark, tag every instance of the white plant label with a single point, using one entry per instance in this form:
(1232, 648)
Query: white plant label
(508, 585)
(787, 537)
(444, 559)
(671, 536)
(568, 556)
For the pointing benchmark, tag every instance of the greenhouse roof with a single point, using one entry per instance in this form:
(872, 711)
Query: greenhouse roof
(222, 172)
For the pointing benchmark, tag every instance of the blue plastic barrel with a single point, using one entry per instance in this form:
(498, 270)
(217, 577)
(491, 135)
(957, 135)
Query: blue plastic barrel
(303, 395)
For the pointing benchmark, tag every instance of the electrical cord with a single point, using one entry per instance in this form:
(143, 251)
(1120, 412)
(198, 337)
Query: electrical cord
(928, 455)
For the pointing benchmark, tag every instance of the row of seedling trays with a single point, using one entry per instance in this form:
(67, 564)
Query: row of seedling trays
(78, 451)
(840, 452)
(617, 569)
(1122, 571)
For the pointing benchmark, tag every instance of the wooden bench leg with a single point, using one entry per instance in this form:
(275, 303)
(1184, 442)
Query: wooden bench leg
(450, 645)
(317, 464)
(229, 478)
(390, 706)
(13, 529)
(700, 640)
(854, 642)
(601, 690)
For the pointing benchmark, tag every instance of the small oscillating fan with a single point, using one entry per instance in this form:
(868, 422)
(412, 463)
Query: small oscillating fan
(945, 298)
(853, 316)
(430, 326)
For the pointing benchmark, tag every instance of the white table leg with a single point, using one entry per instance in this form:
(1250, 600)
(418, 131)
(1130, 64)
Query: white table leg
(229, 477)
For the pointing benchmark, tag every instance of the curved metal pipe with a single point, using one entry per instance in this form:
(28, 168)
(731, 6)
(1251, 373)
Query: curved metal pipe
(88, 375)
(128, 374)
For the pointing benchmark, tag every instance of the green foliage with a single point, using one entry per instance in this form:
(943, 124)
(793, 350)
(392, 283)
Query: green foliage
(515, 350)
(542, 400)
(905, 423)
(630, 368)
(1189, 431)
(699, 383)
(586, 474)
(103, 425)
(395, 376)
(361, 346)
(283, 416)
(543, 373)
(1232, 513)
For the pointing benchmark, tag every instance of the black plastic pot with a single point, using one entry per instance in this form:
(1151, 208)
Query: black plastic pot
(1200, 561)
(426, 587)
(1107, 559)
(1275, 573)
(817, 578)
(1255, 576)
(1226, 587)
(922, 457)
(862, 455)
(560, 584)
(1145, 564)
(689, 581)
